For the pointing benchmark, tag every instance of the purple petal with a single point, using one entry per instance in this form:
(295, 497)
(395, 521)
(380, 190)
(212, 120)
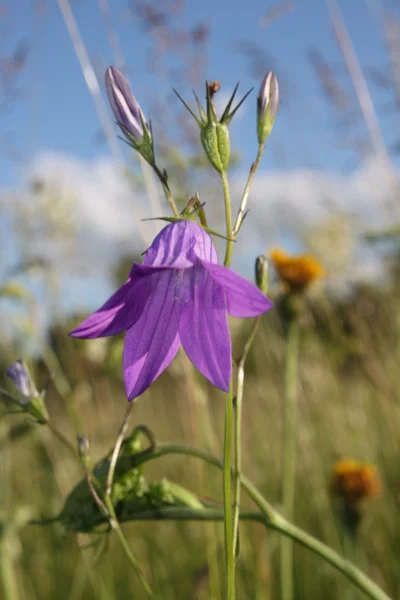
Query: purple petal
(153, 341)
(203, 329)
(243, 298)
(119, 313)
(179, 245)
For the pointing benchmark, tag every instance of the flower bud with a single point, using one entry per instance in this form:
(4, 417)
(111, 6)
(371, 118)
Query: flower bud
(22, 380)
(214, 132)
(267, 106)
(83, 449)
(215, 140)
(31, 402)
(128, 113)
(262, 273)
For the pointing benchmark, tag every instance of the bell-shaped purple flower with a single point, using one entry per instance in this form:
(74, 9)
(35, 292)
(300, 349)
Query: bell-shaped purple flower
(178, 295)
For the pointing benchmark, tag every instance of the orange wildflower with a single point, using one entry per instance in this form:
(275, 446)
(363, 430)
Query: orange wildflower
(297, 272)
(353, 481)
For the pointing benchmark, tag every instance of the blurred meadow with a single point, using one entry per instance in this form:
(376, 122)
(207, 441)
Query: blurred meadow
(72, 197)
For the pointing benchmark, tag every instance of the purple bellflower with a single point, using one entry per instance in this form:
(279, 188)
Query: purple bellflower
(178, 295)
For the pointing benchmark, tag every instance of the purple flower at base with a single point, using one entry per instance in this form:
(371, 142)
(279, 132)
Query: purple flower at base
(178, 295)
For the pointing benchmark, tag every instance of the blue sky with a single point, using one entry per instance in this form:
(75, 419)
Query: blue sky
(58, 112)
(54, 123)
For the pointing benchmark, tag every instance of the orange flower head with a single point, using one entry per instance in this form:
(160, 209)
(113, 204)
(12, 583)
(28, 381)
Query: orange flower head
(297, 272)
(353, 481)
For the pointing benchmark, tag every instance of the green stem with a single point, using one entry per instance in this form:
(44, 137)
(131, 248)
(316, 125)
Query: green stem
(238, 429)
(134, 563)
(8, 579)
(289, 453)
(246, 191)
(167, 191)
(60, 436)
(228, 219)
(227, 468)
(273, 519)
(184, 513)
(117, 448)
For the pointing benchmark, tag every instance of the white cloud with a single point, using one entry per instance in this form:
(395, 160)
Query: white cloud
(326, 212)
(329, 211)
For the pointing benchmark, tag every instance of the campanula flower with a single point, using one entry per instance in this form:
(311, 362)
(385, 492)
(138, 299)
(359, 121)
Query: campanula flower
(128, 113)
(179, 295)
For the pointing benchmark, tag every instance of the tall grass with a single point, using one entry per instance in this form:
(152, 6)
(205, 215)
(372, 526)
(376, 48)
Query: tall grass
(348, 406)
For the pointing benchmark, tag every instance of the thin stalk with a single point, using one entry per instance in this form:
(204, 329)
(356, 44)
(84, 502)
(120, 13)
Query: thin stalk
(228, 219)
(246, 191)
(8, 580)
(227, 468)
(60, 436)
(108, 511)
(289, 453)
(273, 519)
(134, 563)
(117, 448)
(167, 191)
(238, 430)
(184, 513)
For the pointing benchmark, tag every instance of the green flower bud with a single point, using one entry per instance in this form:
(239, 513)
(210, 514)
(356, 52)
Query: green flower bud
(83, 450)
(214, 132)
(267, 106)
(262, 273)
(215, 140)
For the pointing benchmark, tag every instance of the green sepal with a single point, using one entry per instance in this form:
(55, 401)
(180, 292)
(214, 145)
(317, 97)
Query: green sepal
(229, 117)
(199, 123)
(145, 147)
(200, 107)
(264, 126)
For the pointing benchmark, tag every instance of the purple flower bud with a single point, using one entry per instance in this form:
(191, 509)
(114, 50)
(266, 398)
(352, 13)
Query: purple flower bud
(22, 380)
(125, 107)
(267, 106)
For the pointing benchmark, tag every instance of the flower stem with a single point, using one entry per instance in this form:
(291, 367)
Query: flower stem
(272, 518)
(227, 468)
(289, 452)
(60, 436)
(246, 191)
(228, 219)
(134, 563)
(238, 430)
(117, 448)
(167, 192)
